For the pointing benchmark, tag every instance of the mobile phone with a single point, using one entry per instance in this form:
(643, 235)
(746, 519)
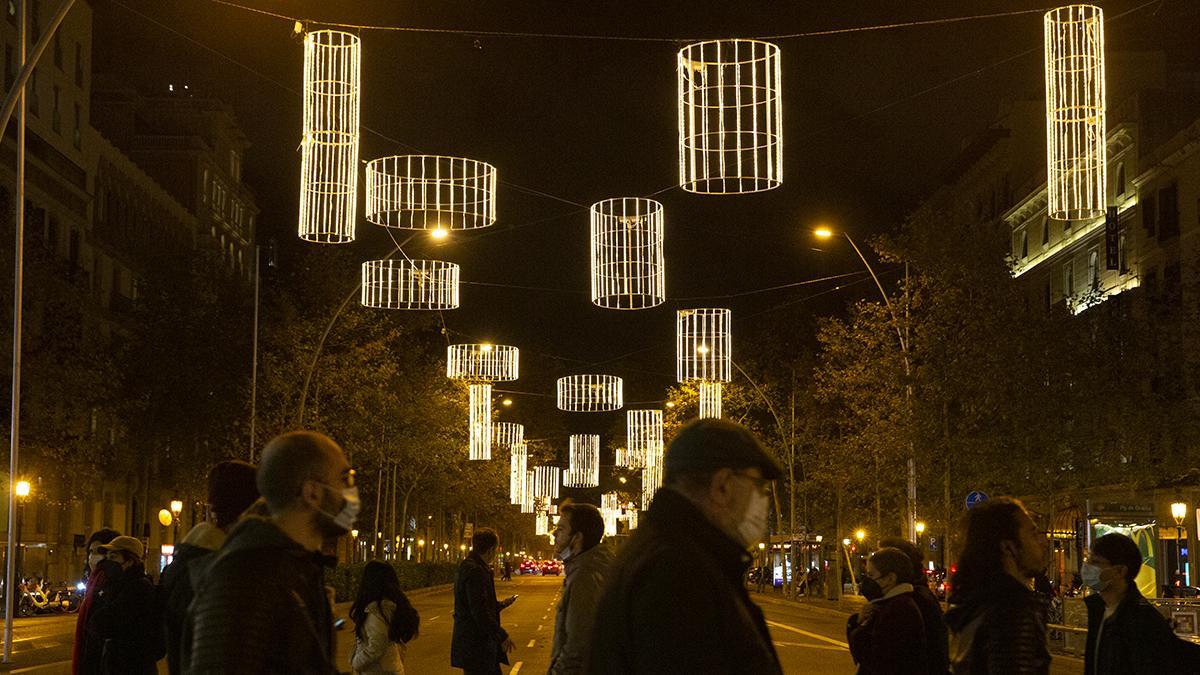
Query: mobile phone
(339, 624)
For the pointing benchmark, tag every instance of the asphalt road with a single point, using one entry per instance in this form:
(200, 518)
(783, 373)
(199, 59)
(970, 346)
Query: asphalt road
(809, 639)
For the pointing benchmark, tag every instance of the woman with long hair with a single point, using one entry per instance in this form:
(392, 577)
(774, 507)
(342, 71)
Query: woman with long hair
(384, 621)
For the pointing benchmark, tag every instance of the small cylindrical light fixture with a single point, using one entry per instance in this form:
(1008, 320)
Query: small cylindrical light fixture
(702, 344)
(644, 436)
(329, 144)
(541, 523)
(651, 482)
(584, 468)
(546, 480)
(479, 365)
(627, 267)
(410, 284)
(431, 192)
(480, 447)
(710, 399)
(590, 393)
(527, 493)
(508, 434)
(1076, 130)
(730, 117)
(518, 461)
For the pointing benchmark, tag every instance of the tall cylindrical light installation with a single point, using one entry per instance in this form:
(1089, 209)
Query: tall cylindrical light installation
(329, 145)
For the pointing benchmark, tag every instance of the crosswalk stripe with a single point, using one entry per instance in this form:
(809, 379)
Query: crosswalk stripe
(805, 633)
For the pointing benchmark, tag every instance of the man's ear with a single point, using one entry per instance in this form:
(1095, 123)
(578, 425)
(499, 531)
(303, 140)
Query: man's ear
(719, 487)
(310, 493)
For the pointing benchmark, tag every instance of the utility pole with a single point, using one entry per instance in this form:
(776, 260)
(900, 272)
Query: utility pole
(254, 356)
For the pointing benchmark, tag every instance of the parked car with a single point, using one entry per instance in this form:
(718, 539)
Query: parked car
(551, 567)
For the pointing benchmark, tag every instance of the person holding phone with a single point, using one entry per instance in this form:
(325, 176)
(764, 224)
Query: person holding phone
(479, 643)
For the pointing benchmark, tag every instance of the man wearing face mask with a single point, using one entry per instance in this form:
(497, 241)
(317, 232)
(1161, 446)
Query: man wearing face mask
(261, 606)
(479, 644)
(123, 635)
(1126, 634)
(586, 560)
(674, 600)
(888, 635)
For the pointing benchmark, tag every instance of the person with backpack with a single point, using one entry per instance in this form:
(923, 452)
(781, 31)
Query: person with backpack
(384, 621)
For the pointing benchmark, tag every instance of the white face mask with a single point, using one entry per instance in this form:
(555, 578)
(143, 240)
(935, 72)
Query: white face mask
(754, 521)
(351, 504)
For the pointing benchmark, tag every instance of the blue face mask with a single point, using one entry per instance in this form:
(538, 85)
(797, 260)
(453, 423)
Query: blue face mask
(1091, 577)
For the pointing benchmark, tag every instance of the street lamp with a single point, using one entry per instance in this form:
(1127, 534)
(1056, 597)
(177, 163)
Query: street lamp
(824, 232)
(920, 528)
(176, 509)
(860, 535)
(1179, 512)
(22, 491)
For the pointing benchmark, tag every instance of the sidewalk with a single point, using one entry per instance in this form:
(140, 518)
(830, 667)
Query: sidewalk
(847, 605)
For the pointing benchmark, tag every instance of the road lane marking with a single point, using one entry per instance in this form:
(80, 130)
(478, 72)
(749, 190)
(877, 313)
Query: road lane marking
(433, 617)
(805, 633)
(516, 668)
(831, 648)
(531, 642)
(539, 626)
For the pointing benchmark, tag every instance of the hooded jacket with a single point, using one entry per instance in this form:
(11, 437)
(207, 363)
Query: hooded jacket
(674, 602)
(175, 588)
(577, 609)
(999, 627)
(261, 607)
(1135, 640)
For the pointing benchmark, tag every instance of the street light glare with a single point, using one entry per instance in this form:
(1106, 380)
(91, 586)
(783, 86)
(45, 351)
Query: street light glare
(507, 402)
(860, 534)
(176, 507)
(22, 488)
(439, 233)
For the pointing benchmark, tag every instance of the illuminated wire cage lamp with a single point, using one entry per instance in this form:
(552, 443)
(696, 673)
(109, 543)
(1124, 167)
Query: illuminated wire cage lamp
(590, 393)
(518, 461)
(584, 468)
(527, 493)
(479, 365)
(644, 436)
(508, 434)
(1076, 143)
(546, 480)
(329, 141)
(541, 523)
(430, 192)
(627, 266)
(651, 482)
(410, 284)
(703, 353)
(610, 511)
(730, 117)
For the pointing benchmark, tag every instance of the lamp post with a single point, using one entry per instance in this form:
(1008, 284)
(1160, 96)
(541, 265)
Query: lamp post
(22, 492)
(353, 546)
(902, 337)
(1179, 512)
(176, 509)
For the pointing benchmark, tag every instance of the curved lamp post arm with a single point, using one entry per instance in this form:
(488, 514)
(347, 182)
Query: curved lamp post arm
(886, 300)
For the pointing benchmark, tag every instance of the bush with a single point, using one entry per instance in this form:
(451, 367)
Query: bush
(344, 578)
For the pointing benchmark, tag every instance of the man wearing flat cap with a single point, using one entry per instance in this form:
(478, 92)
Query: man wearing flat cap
(674, 601)
(123, 634)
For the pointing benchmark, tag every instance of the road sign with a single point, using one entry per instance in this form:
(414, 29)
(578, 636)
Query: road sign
(975, 498)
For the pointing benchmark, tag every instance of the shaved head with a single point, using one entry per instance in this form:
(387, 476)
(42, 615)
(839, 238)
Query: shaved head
(293, 458)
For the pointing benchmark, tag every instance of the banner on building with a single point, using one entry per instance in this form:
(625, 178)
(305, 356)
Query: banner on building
(1112, 240)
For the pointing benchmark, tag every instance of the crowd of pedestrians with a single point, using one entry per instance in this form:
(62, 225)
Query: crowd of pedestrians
(246, 591)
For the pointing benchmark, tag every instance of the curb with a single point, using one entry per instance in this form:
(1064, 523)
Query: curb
(828, 611)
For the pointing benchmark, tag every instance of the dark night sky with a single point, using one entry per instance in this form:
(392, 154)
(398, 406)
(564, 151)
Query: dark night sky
(587, 120)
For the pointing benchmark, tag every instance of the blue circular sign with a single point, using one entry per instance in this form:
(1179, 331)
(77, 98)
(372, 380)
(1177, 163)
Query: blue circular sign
(976, 498)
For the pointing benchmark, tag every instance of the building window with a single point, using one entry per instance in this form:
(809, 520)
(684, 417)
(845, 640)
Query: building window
(1069, 278)
(58, 53)
(78, 65)
(1093, 270)
(235, 166)
(12, 12)
(1168, 212)
(55, 111)
(204, 187)
(1120, 179)
(31, 97)
(1122, 258)
(1149, 212)
(35, 25)
(1045, 232)
(77, 138)
(1024, 244)
(10, 67)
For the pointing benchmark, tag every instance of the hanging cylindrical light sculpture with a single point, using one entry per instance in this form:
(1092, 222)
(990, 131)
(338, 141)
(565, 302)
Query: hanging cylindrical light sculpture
(546, 480)
(508, 434)
(430, 192)
(590, 393)
(480, 421)
(584, 468)
(527, 493)
(651, 482)
(329, 144)
(518, 461)
(730, 117)
(703, 353)
(541, 523)
(644, 436)
(627, 253)
(710, 400)
(1076, 135)
(410, 284)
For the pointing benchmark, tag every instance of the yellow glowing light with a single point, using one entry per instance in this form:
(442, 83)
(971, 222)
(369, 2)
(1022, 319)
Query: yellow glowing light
(1179, 512)
(860, 534)
(164, 518)
(479, 365)
(823, 233)
(176, 506)
(480, 421)
(846, 542)
(920, 527)
(518, 465)
(1076, 142)
(329, 141)
(22, 488)
(440, 233)
(702, 348)
(651, 482)
(730, 117)
(354, 534)
(420, 542)
(506, 402)
(670, 404)
(622, 479)
(627, 268)
(546, 480)
(463, 547)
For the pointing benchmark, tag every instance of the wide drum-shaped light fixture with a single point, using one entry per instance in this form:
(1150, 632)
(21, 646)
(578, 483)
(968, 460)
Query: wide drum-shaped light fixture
(518, 460)
(483, 362)
(584, 468)
(627, 253)
(546, 480)
(644, 437)
(329, 141)
(410, 284)
(651, 482)
(1076, 143)
(508, 434)
(730, 117)
(430, 192)
(590, 393)
(480, 421)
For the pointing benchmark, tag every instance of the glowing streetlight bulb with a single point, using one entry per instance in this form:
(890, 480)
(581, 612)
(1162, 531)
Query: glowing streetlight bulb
(1178, 512)
(846, 541)
(354, 533)
(506, 402)
(860, 534)
(439, 233)
(176, 507)
(22, 488)
(920, 527)
(761, 546)
(670, 404)
(702, 349)
(420, 542)
(822, 233)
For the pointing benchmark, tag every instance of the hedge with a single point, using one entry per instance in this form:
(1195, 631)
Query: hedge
(344, 578)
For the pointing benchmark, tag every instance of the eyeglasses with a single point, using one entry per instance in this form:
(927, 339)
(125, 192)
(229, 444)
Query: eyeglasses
(759, 482)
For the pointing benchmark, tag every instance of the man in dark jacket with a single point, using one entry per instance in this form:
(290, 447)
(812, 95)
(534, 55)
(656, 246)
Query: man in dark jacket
(674, 601)
(1126, 635)
(479, 644)
(586, 560)
(887, 635)
(261, 606)
(123, 635)
(997, 623)
(231, 490)
(937, 635)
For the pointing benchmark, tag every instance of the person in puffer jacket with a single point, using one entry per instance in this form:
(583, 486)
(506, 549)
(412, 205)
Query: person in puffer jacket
(384, 621)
